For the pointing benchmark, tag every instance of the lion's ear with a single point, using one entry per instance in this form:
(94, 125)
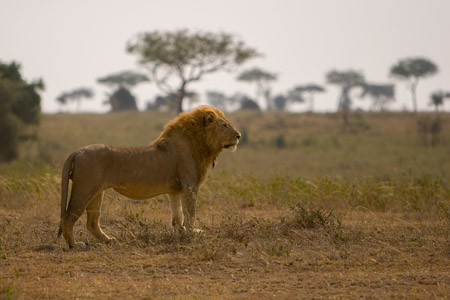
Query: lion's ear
(209, 118)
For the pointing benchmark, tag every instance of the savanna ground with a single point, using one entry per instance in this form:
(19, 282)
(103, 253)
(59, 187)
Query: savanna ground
(304, 209)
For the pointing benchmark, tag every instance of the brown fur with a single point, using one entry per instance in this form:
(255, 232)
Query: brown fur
(176, 163)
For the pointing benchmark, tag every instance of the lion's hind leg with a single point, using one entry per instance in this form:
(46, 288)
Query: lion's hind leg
(93, 219)
(77, 205)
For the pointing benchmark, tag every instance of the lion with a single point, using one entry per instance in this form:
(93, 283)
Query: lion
(176, 163)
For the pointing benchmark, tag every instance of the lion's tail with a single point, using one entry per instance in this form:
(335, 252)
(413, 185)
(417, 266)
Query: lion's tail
(66, 174)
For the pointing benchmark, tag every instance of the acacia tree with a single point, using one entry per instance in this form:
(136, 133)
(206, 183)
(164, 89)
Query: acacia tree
(176, 59)
(122, 82)
(438, 97)
(411, 70)
(346, 80)
(309, 89)
(76, 95)
(380, 93)
(262, 80)
(126, 79)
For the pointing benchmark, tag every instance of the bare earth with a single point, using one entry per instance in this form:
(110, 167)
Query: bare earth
(256, 255)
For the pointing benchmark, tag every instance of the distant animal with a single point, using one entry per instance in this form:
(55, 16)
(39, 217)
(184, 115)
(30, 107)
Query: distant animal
(176, 163)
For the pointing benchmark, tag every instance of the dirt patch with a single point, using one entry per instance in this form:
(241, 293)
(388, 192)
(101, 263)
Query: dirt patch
(362, 254)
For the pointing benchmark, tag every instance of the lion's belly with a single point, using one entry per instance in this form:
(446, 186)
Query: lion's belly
(142, 175)
(139, 191)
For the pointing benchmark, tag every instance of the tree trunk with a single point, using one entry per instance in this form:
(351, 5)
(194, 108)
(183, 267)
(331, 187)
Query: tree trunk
(413, 94)
(180, 97)
(344, 99)
(78, 103)
(381, 103)
(344, 105)
(259, 90)
(179, 104)
(311, 102)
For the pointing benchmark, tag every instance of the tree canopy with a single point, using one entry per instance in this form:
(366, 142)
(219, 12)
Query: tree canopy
(257, 75)
(262, 79)
(346, 80)
(75, 95)
(412, 69)
(24, 100)
(309, 89)
(295, 96)
(438, 97)
(380, 93)
(20, 103)
(175, 59)
(122, 99)
(127, 79)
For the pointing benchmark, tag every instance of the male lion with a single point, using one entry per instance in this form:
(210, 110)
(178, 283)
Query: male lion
(175, 163)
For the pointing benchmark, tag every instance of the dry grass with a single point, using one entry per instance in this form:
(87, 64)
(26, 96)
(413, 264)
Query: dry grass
(379, 145)
(366, 234)
(290, 242)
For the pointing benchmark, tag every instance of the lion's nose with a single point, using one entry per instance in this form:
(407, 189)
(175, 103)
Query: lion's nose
(238, 136)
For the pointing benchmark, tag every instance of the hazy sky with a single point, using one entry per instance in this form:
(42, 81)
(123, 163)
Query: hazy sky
(71, 43)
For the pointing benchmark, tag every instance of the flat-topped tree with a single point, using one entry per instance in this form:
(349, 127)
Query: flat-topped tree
(346, 80)
(437, 99)
(177, 58)
(310, 90)
(262, 79)
(411, 70)
(123, 82)
(381, 94)
(126, 79)
(76, 95)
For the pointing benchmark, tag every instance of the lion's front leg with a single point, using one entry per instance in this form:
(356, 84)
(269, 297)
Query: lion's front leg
(188, 201)
(176, 213)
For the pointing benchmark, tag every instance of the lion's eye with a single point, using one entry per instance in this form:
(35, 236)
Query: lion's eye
(225, 125)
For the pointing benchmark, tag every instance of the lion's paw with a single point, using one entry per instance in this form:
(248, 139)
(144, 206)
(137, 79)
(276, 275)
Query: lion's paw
(111, 240)
(81, 246)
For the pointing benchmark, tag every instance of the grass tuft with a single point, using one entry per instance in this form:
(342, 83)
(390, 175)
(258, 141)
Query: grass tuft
(304, 217)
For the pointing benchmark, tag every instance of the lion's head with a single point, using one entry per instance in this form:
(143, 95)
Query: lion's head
(219, 130)
(207, 127)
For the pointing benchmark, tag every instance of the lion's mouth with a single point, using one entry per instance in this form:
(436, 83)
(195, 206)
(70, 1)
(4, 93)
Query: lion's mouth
(232, 146)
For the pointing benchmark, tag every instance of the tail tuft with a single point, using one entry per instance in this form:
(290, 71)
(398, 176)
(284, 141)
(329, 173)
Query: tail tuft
(65, 176)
